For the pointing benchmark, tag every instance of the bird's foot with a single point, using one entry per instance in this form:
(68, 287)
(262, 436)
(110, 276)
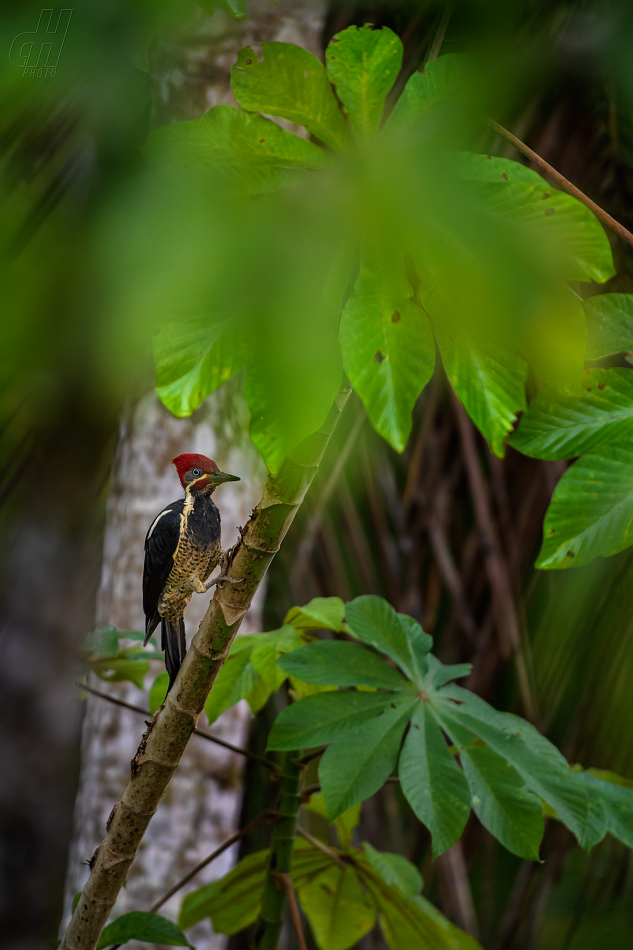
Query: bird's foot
(196, 585)
(221, 578)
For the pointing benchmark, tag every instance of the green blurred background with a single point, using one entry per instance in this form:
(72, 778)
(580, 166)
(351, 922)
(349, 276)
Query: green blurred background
(79, 285)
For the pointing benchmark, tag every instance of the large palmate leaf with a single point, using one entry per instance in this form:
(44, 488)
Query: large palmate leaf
(425, 91)
(591, 511)
(195, 356)
(433, 783)
(226, 135)
(490, 385)
(573, 232)
(387, 345)
(288, 81)
(559, 427)
(141, 925)
(609, 324)
(363, 64)
(506, 771)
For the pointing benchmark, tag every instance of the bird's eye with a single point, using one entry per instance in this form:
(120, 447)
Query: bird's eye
(196, 472)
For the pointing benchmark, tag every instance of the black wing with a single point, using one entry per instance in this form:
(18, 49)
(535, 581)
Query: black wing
(160, 546)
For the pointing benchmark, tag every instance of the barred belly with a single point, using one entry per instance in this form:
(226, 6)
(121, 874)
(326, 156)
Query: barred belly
(190, 560)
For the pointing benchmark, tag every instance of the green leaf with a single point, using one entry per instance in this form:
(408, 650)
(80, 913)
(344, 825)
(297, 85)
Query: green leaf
(358, 763)
(439, 674)
(103, 641)
(158, 691)
(338, 663)
(121, 668)
(226, 135)
(337, 908)
(363, 64)
(235, 681)
(617, 802)
(322, 613)
(472, 166)
(510, 811)
(140, 925)
(553, 338)
(568, 228)
(538, 762)
(427, 90)
(415, 922)
(559, 427)
(609, 324)
(323, 717)
(236, 8)
(377, 624)
(591, 511)
(344, 824)
(288, 81)
(194, 357)
(233, 902)
(490, 385)
(387, 345)
(395, 869)
(290, 401)
(432, 782)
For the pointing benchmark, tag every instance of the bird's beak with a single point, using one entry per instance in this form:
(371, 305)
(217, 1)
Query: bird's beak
(218, 477)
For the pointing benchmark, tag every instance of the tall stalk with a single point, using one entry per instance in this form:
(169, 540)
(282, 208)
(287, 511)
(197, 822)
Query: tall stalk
(167, 735)
(281, 849)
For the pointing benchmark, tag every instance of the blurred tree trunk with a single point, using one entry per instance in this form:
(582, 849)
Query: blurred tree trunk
(202, 805)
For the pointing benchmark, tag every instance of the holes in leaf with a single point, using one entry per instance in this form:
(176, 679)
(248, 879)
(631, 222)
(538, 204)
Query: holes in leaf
(379, 356)
(395, 317)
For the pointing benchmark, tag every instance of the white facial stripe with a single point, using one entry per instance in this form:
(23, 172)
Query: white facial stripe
(151, 530)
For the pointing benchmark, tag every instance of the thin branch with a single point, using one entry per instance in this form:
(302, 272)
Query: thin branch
(215, 854)
(321, 847)
(267, 763)
(496, 569)
(604, 216)
(286, 882)
(434, 52)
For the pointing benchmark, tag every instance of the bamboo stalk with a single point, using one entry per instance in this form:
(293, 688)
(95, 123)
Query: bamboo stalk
(169, 731)
(281, 849)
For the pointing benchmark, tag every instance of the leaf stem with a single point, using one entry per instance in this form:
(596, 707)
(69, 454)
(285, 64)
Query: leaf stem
(215, 854)
(281, 849)
(267, 763)
(436, 46)
(599, 212)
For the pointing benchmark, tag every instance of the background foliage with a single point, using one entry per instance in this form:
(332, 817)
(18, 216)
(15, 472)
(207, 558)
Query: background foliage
(406, 527)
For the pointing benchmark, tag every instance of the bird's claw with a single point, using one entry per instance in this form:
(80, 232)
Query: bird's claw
(223, 577)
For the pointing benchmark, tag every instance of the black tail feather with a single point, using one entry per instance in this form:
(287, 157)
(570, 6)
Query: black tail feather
(174, 644)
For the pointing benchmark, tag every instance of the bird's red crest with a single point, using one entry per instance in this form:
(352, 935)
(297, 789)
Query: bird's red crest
(184, 462)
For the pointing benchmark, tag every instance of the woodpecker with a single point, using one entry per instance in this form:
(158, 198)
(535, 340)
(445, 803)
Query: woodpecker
(182, 548)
